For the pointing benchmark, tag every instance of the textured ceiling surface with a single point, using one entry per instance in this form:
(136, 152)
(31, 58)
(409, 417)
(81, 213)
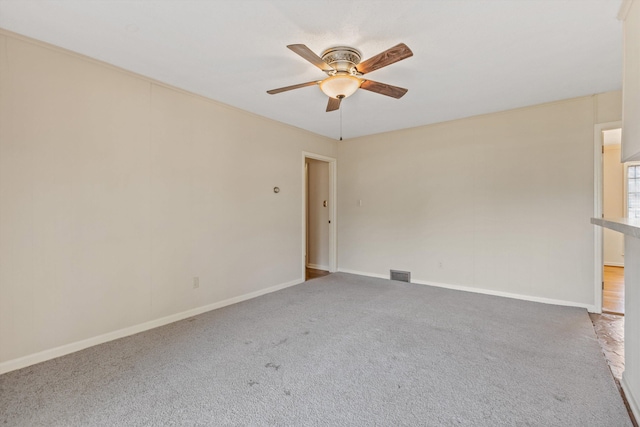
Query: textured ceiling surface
(470, 56)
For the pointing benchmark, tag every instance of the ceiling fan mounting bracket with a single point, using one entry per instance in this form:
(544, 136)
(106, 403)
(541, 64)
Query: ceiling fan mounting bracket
(342, 59)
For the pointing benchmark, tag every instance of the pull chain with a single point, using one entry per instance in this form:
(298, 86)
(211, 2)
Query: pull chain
(340, 98)
(341, 124)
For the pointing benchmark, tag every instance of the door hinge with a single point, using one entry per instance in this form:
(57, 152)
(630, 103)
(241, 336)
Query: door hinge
(603, 285)
(603, 149)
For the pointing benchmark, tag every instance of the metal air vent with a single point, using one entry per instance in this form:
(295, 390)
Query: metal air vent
(401, 276)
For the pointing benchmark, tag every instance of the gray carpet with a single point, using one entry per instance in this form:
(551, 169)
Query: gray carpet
(336, 351)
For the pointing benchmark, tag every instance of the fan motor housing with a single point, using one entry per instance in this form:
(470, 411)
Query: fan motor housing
(342, 58)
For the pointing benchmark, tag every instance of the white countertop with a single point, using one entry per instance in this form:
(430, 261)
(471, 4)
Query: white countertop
(628, 226)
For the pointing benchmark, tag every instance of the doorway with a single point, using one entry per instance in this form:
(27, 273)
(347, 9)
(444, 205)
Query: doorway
(319, 215)
(614, 205)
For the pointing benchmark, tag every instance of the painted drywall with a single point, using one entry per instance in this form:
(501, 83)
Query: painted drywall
(318, 215)
(116, 191)
(631, 375)
(608, 107)
(631, 144)
(612, 204)
(497, 203)
(631, 87)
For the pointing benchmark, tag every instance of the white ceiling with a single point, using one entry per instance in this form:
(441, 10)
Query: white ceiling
(470, 57)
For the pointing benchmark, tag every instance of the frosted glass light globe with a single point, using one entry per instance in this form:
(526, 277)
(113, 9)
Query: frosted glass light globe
(340, 85)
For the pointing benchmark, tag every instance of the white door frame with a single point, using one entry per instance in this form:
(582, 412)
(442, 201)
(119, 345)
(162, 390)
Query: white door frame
(598, 143)
(333, 210)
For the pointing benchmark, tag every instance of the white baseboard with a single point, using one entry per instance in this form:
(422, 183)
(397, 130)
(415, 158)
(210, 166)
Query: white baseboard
(590, 307)
(32, 359)
(631, 398)
(614, 264)
(362, 273)
(318, 267)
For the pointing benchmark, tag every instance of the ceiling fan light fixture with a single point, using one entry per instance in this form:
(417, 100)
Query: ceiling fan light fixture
(340, 86)
(343, 66)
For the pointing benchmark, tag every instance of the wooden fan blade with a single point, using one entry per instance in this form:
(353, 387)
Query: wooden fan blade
(334, 104)
(286, 88)
(384, 89)
(308, 54)
(397, 53)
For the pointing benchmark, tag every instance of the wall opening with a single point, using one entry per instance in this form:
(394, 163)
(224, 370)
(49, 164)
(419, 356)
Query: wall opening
(319, 215)
(613, 206)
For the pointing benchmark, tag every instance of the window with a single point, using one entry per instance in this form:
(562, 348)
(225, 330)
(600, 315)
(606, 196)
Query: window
(633, 191)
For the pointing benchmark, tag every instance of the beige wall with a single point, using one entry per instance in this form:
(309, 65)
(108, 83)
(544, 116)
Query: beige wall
(631, 87)
(631, 375)
(497, 203)
(115, 191)
(631, 150)
(318, 234)
(612, 204)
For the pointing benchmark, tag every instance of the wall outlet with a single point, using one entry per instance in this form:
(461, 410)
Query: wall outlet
(196, 282)
(439, 264)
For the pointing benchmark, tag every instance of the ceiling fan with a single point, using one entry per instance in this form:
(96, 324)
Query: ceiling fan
(344, 70)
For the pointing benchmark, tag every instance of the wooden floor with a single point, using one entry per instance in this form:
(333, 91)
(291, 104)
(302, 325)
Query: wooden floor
(613, 292)
(312, 273)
